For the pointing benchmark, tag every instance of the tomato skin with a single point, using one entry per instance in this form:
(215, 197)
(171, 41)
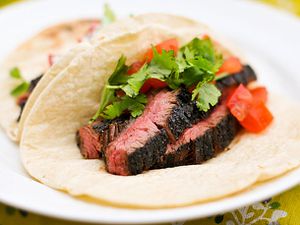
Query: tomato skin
(156, 83)
(135, 67)
(259, 94)
(258, 118)
(168, 45)
(231, 65)
(145, 88)
(152, 83)
(250, 109)
(240, 102)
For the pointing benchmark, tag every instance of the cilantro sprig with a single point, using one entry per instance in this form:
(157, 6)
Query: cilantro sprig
(23, 85)
(134, 105)
(108, 15)
(195, 65)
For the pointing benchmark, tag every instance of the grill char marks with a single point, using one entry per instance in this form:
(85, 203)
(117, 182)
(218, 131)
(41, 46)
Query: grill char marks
(202, 141)
(89, 142)
(109, 130)
(164, 135)
(183, 116)
(146, 156)
(92, 139)
(141, 145)
(136, 148)
(244, 77)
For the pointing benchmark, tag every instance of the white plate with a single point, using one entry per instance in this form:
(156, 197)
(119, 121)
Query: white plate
(269, 38)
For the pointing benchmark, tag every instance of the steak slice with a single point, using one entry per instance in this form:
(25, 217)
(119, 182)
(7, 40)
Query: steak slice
(140, 145)
(88, 142)
(244, 77)
(202, 141)
(165, 118)
(93, 138)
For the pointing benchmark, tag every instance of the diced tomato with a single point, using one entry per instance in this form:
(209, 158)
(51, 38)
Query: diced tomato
(135, 67)
(240, 102)
(258, 118)
(168, 45)
(259, 94)
(250, 109)
(156, 83)
(145, 88)
(153, 83)
(231, 65)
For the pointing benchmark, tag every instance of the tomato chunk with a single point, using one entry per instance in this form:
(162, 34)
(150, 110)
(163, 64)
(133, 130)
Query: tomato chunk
(258, 118)
(135, 67)
(240, 102)
(153, 83)
(250, 109)
(259, 94)
(156, 83)
(231, 65)
(168, 45)
(145, 88)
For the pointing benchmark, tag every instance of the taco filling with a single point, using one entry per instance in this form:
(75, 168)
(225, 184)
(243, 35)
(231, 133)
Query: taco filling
(176, 106)
(24, 89)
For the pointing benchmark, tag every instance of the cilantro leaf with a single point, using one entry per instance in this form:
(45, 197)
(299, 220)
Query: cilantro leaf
(20, 89)
(206, 95)
(23, 87)
(107, 96)
(165, 68)
(202, 49)
(195, 63)
(136, 81)
(118, 76)
(134, 105)
(15, 73)
(108, 15)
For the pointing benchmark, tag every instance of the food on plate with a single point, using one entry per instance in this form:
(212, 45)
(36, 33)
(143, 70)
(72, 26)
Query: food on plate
(38, 57)
(32, 66)
(162, 115)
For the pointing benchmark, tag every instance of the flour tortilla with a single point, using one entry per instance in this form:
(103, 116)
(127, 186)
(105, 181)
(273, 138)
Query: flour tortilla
(32, 60)
(176, 23)
(50, 155)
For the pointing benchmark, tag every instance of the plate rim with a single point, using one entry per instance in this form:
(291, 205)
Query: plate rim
(192, 212)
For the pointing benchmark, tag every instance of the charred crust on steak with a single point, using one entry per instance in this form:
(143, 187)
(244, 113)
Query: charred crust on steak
(204, 147)
(143, 158)
(244, 77)
(170, 115)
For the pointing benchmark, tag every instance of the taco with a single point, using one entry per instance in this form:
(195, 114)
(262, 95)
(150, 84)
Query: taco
(159, 117)
(25, 67)
(44, 53)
